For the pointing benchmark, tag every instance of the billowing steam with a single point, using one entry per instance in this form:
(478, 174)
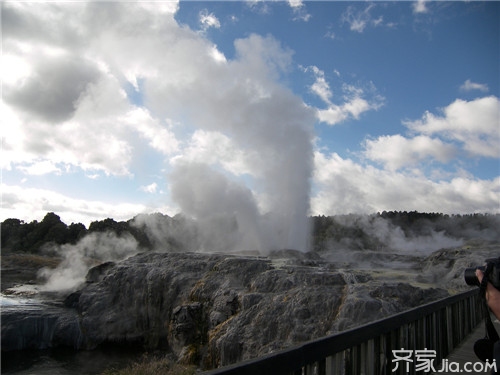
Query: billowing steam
(360, 241)
(393, 238)
(261, 178)
(91, 250)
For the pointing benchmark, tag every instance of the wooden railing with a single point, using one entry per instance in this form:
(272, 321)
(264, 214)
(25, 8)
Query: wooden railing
(368, 350)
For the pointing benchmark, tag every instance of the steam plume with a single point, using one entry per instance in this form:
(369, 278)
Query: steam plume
(272, 131)
(92, 249)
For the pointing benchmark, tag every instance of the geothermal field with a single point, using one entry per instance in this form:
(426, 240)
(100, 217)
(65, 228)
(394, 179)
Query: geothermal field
(188, 292)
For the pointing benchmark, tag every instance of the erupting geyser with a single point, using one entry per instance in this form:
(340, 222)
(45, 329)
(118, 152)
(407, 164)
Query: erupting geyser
(258, 183)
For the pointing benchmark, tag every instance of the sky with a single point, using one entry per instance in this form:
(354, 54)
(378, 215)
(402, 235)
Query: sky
(248, 108)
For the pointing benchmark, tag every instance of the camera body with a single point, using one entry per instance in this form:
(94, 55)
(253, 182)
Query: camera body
(493, 275)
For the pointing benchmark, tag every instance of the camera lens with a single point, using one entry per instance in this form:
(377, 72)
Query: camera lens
(470, 276)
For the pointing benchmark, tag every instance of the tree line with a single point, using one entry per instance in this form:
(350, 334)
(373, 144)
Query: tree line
(34, 236)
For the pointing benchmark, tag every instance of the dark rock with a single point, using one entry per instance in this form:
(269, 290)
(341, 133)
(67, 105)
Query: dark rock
(216, 309)
(407, 295)
(40, 327)
(364, 304)
(223, 308)
(72, 299)
(187, 327)
(136, 299)
(96, 274)
(250, 299)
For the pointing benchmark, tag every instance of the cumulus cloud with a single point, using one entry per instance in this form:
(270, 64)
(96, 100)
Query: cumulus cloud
(470, 126)
(67, 103)
(51, 90)
(231, 123)
(40, 168)
(194, 107)
(93, 139)
(30, 204)
(320, 86)
(396, 151)
(474, 124)
(355, 99)
(354, 106)
(345, 186)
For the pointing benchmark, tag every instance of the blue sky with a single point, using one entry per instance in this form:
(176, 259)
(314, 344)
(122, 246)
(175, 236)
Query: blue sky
(114, 109)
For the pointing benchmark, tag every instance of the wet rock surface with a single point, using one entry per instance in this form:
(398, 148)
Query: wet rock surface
(39, 326)
(216, 309)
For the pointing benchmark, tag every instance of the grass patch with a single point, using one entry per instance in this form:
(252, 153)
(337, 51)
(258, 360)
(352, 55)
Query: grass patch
(31, 261)
(153, 366)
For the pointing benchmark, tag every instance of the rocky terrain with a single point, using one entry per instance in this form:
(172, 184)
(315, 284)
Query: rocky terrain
(215, 309)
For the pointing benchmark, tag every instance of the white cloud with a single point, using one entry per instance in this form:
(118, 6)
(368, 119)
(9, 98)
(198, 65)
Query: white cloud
(330, 35)
(187, 90)
(160, 7)
(299, 10)
(396, 151)
(53, 86)
(13, 69)
(355, 101)
(296, 3)
(468, 85)
(159, 136)
(320, 87)
(259, 6)
(472, 123)
(420, 6)
(40, 168)
(81, 78)
(92, 139)
(358, 20)
(151, 188)
(469, 126)
(32, 204)
(353, 107)
(232, 115)
(344, 186)
(208, 20)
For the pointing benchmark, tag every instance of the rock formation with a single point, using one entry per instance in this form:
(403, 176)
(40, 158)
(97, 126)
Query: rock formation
(40, 327)
(216, 309)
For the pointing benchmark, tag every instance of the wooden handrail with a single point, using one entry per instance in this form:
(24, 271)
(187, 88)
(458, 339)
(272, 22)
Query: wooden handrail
(439, 326)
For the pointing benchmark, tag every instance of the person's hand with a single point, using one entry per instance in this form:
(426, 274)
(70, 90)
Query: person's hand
(492, 295)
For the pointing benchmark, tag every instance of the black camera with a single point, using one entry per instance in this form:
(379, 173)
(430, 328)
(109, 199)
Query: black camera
(492, 270)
